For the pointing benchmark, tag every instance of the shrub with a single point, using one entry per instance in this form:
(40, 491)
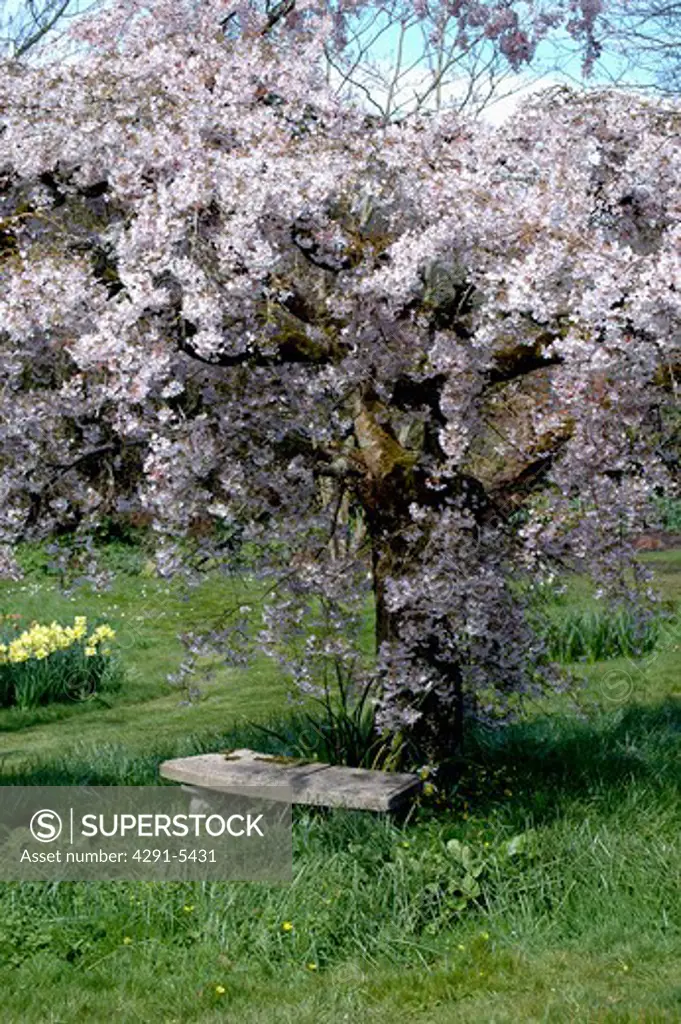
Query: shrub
(55, 663)
(596, 635)
(669, 510)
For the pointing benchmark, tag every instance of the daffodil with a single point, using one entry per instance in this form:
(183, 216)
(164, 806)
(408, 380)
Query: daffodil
(18, 653)
(102, 633)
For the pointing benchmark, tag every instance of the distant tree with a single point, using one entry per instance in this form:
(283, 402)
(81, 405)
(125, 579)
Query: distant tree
(642, 41)
(401, 56)
(28, 25)
(637, 45)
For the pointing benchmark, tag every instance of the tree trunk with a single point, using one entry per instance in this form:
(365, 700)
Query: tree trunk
(393, 482)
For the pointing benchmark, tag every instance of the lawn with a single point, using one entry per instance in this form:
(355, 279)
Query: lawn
(582, 924)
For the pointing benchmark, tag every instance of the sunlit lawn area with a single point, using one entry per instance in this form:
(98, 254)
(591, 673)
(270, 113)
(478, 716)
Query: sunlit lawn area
(147, 615)
(584, 925)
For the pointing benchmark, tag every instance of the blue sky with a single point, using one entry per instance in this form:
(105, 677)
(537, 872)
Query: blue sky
(558, 60)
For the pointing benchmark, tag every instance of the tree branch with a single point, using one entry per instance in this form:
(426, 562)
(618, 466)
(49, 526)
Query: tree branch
(278, 12)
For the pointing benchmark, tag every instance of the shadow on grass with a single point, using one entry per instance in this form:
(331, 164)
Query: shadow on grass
(529, 771)
(551, 762)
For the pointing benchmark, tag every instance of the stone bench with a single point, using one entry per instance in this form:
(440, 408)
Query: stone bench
(320, 785)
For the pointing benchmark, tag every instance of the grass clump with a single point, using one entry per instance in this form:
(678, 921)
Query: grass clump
(590, 635)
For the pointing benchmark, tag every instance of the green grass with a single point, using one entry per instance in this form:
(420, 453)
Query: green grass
(147, 615)
(587, 915)
(669, 510)
(583, 925)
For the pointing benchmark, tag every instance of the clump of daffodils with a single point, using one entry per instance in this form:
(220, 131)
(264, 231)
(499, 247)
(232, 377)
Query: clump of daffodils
(45, 663)
(39, 641)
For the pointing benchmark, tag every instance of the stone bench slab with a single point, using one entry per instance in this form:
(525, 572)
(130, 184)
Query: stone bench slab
(313, 783)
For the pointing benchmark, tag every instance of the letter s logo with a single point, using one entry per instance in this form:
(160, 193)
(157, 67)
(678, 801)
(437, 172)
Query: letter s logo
(45, 826)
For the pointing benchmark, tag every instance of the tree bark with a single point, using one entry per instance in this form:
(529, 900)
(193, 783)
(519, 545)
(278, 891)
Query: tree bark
(395, 478)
